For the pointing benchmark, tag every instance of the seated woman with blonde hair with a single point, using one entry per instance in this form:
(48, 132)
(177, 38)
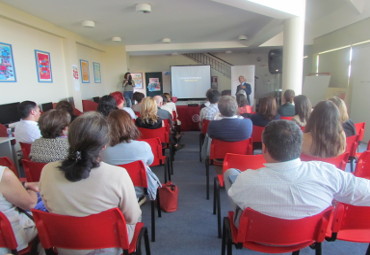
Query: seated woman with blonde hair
(148, 115)
(348, 125)
(323, 135)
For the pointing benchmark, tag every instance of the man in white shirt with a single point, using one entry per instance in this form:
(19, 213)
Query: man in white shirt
(288, 188)
(27, 129)
(209, 112)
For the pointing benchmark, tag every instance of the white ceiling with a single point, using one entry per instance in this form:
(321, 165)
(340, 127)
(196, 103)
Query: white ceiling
(192, 25)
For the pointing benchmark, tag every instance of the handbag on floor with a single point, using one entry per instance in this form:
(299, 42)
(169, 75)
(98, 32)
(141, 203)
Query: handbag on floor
(168, 195)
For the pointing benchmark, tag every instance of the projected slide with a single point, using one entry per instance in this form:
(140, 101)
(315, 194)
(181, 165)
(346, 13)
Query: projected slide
(190, 81)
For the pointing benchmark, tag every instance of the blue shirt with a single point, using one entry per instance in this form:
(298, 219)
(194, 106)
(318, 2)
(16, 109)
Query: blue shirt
(230, 129)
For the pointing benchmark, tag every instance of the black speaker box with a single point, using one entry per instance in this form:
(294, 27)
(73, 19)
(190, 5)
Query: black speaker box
(275, 58)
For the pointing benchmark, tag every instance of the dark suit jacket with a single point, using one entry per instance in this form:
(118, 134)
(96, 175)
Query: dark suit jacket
(247, 89)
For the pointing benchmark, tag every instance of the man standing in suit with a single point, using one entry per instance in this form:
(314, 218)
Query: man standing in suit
(244, 86)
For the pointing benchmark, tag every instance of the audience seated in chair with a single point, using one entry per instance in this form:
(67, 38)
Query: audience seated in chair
(267, 111)
(66, 106)
(123, 149)
(106, 105)
(209, 112)
(303, 109)
(120, 103)
(348, 125)
(138, 98)
(287, 187)
(148, 115)
(287, 109)
(82, 185)
(14, 196)
(53, 145)
(27, 129)
(323, 135)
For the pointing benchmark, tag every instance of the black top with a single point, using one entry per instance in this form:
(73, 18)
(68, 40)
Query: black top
(154, 125)
(349, 128)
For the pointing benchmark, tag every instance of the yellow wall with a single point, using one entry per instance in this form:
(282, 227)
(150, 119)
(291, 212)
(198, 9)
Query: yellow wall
(26, 33)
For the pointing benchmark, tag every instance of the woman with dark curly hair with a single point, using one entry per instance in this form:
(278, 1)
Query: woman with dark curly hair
(106, 105)
(82, 184)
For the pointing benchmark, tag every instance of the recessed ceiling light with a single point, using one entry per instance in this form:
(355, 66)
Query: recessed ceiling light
(88, 23)
(116, 39)
(228, 52)
(166, 40)
(144, 8)
(242, 37)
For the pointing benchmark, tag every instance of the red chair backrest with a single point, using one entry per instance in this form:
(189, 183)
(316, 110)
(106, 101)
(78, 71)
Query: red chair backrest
(257, 134)
(161, 133)
(219, 148)
(97, 231)
(349, 220)
(3, 131)
(286, 117)
(7, 238)
(26, 149)
(339, 161)
(5, 161)
(243, 162)
(88, 105)
(156, 146)
(351, 145)
(205, 124)
(267, 234)
(32, 170)
(76, 112)
(363, 165)
(360, 130)
(137, 172)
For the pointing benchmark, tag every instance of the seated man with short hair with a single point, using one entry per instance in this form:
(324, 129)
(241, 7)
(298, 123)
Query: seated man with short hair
(287, 187)
(27, 129)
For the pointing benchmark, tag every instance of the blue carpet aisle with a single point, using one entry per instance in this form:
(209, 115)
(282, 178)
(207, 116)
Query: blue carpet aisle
(192, 229)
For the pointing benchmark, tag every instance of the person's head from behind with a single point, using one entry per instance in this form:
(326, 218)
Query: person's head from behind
(267, 107)
(241, 99)
(118, 97)
(65, 106)
(54, 123)
(149, 110)
(167, 97)
(106, 105)
(289, 95)
(227, 106)
(87, 136)
(341, 107)
(302, 107)
(138, 97)
(326, 129)
(213, 95)
(158, 100)
(29, 110)
(226, 92)
(121, 127)
(282, 140)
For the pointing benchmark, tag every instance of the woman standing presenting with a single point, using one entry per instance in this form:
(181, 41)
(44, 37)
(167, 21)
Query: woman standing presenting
(128, 85)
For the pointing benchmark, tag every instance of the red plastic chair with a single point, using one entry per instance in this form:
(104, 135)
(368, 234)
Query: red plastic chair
(339, 161)
(97, 231)
(3, 131)
(5, 161)
(159, 158)
(268, 234)
(363, 165)
(350, 223)
(26, 149)
(88, 105)
(360, 130)
(137, 172)
(241, 162)
(257, 135)
(286, 117)
(7, 238)
(77, 112)
(218, 152)
(202, 135)
(32, 170)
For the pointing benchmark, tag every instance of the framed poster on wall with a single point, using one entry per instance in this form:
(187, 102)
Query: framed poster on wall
(97, 73)
(7, 68)
(154, 83)
(138, 79)
(43, 66)
(84, 64)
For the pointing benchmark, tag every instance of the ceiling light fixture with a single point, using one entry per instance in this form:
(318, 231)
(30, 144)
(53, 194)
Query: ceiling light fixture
(88, 23)
(116, 39)
(166, 40)
(228, 52)
(242, 37)
(144, 8)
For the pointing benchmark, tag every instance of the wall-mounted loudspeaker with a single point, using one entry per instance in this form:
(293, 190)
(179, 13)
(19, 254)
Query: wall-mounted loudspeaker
(275, 61)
